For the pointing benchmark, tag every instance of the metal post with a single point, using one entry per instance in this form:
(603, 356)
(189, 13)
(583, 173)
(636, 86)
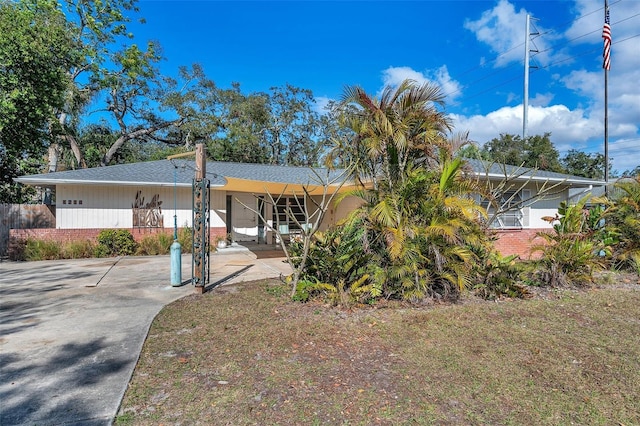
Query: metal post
(176, 249)
(606, 103)
(176, 264)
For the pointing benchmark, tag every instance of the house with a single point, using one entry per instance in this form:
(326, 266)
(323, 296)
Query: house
(154, 196)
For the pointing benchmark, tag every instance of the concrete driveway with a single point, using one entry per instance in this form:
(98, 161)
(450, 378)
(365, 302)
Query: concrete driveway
(71, 331)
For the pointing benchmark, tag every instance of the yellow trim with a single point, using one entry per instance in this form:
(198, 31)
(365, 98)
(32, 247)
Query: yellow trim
(184, 154)
(276, 188)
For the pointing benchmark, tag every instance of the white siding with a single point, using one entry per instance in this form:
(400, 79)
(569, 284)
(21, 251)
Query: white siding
(112, 206)
(98, 206)
(547, 206)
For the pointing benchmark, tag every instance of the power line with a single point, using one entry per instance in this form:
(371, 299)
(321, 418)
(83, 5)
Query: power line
(539, 67)
(586, 52)
(597, 30)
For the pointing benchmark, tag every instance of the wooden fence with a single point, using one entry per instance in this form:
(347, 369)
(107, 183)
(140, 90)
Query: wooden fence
(24, 216)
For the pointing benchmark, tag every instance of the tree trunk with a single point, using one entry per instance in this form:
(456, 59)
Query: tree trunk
(73, 144)
(54, 154)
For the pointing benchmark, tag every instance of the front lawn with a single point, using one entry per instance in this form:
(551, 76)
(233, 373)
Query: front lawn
(246, 355)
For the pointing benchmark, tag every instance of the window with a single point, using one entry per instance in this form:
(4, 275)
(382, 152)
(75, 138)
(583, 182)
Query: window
(284, 212)
(516, 211)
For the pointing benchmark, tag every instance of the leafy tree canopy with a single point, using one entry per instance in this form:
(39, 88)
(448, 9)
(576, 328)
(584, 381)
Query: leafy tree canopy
(76, 92)
(534, 151)
(579, 163)
(35, 48)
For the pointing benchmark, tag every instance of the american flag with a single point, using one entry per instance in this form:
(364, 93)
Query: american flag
(606, 35)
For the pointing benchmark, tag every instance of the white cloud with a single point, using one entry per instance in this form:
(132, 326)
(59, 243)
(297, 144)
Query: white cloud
(541, 99)
(393, 76)
(450, 87)
(570, 129)
(512, 97)
(321, 104)
(567, 127)
(619, 150)
(581, 125)
(587, 29)
(502, 29)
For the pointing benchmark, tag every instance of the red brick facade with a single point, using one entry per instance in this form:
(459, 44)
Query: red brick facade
(518, 241)
(68, 235)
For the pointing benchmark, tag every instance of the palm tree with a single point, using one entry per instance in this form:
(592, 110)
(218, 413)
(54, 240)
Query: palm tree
(426, 230)
(418, 219)
(401, 128)
(623, 217)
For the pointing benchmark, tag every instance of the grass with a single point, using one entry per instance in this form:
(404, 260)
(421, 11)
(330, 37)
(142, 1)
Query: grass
(245, 355)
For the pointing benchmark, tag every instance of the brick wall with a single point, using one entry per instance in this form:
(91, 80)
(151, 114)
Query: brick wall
(518, 241)
(68, 235)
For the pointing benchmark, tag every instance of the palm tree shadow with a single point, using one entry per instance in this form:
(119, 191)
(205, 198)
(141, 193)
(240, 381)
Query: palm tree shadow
(60, 387)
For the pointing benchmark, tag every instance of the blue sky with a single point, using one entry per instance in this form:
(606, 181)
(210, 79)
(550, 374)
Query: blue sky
(473, 49)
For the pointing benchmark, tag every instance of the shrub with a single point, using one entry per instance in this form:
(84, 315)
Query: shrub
(116, 242)
(623, 219)
(500, 276)
(156, 244)
(80, 249)
(574, 249)
(185, 238)
(42, 250)
(339, 268)
(16, 249)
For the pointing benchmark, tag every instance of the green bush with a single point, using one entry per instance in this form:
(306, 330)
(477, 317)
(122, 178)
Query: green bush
(100, 251)
(116, 242)
(575, 247)
(42, 250)
(338, 267)
(156, 244)
(16, 249)
(500, 276)
(80, 249)
(623, 220)
(185, 238)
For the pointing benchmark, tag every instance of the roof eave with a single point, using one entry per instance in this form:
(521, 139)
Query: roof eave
(53, 182)
(573, 182)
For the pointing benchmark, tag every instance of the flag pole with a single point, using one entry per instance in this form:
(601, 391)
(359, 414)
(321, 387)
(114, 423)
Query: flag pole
(606, 64)
(606, 132)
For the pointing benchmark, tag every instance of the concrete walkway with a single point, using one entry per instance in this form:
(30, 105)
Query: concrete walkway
(71, 331)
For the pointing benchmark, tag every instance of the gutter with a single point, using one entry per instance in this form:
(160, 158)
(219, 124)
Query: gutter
(50, 182)
(589, 183)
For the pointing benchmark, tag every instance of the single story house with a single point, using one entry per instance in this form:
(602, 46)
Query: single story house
(153, 196)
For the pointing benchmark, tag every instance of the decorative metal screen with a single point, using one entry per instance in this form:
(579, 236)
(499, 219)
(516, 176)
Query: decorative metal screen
(201, 235)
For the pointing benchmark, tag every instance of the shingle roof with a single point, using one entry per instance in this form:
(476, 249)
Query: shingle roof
(523, 173)
(164, 172)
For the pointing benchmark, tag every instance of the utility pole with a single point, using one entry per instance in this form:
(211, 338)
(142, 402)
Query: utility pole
(527, 52)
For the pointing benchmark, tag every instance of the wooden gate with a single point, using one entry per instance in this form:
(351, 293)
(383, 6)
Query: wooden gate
(24, 216)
